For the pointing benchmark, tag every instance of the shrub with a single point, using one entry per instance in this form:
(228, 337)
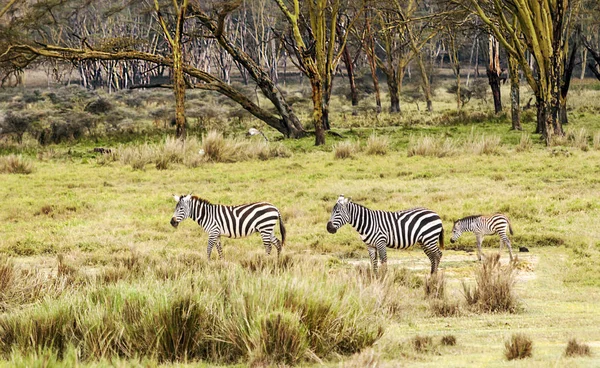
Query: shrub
(346, 149)
(377, 145)
(17, 123)
(430, 146)
(99, 106)
(575, 348)
(518, 347)
(494, 287)
(15, 164)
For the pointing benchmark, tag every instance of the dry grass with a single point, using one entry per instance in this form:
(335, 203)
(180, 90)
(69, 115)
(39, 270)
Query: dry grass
(596, 141)
(430, 146)
(15, 164)
(575, 349)
(377, 145)
(525, 143)
(448, 340)
(579, 139)
(483, 145)
(346, 149)
(493, 291)
(422, 344)
(518, 347)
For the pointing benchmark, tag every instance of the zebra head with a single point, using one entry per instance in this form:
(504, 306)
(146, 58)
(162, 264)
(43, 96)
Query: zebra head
(339, 215)
(457, 231)
(182, 211)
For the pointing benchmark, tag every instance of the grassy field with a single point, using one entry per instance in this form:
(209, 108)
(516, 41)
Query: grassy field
(93, 273)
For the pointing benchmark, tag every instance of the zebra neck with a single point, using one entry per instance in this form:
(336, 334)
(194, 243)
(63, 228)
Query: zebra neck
(198, 211)
(358, 215)
(467, 225)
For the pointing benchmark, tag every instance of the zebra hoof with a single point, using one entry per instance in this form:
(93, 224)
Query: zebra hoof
(523, 249)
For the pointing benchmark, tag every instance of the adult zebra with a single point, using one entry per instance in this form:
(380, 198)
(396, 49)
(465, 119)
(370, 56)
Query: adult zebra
(400, 230)
(231, 221)
(481, 226)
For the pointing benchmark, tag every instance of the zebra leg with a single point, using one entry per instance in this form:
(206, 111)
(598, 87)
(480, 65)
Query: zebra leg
(504, 238)
(373, 256)
(382, 257)
(219, 248)
(213, 239)
(267, 241)
(479, 253)
(434, 254)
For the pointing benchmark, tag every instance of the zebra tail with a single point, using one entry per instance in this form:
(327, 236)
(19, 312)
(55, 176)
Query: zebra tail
(509, 227)
(282, 230)
(441, 239)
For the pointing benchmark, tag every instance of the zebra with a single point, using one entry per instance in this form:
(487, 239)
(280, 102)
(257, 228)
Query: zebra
(231, 221)
(381, 229)
(484, 225)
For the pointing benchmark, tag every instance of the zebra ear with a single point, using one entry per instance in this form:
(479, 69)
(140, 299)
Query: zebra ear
(187, 197)
(176, 198)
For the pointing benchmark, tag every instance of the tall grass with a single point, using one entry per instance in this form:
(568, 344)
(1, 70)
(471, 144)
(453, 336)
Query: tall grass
(482, 145)
(431, 146)
(217, 314)
(494, 289)
(15, 164)
(519, 346)
(377, 145)
(345, 149)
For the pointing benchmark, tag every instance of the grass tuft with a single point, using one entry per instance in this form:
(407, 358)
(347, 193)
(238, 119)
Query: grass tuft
(430, 146)
(15, 164)
(518, 347)
(377, 145)
(346, 149)
(448, 340)
(493, 291)
(575, 349)
(525, 143)
(422, 344)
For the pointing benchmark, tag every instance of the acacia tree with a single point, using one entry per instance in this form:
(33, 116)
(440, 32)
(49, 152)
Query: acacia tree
(317, 51)
(542, 28)
(494, 71)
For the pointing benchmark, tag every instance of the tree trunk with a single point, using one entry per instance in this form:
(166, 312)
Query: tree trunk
(493, 72)
(349, 69)
(317, 98)
(569, 65)
(179, 89)
(515, 107)
(373, 66)
(425, 80)
(583, 60)
(392, 83)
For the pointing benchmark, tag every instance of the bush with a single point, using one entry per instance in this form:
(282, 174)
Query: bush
(575, 349)
(17, 123)
(377, 145)
(494, 287)
(15, 164)
(518, 347)
(99, 106)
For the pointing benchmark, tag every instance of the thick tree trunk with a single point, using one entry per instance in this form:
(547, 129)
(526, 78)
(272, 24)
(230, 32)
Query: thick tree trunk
(392, 83)
(569, 65)
(493, 72)
(515, 107)
(317, 98)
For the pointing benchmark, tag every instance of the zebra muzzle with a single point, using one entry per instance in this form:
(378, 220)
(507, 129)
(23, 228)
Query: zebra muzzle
(174, 222)
(330, 228)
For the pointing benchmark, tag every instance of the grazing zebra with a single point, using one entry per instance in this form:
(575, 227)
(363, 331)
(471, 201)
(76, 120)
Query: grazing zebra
(481, 226)
(231, 221)
(400, 230)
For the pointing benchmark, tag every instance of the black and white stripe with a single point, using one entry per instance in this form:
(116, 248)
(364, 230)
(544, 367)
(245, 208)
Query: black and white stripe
(481, 226)
(382, 229)
(231, 221)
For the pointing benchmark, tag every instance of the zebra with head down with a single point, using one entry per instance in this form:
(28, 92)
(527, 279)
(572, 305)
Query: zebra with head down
(382, 229)
(481, 226)
(231, 221)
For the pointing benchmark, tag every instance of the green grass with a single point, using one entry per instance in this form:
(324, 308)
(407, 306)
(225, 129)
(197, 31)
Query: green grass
(87, 238)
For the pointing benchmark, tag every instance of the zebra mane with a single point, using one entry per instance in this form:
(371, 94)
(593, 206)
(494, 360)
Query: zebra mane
(201, 200)
(467, 218)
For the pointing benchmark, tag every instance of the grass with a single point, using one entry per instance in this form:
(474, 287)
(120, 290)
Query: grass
(575, 349)
(15, 164)
(519, 346)
(93, 274)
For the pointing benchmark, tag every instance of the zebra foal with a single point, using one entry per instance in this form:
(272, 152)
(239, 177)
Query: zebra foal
(382, 229)
(481, 226)
(231, 221)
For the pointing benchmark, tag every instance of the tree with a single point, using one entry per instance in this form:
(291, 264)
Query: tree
(317, 56)
(494, 72)
(540, 27)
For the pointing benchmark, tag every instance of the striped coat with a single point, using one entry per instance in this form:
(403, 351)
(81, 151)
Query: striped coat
(484, 225)
(231, 221)
(399, 230)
